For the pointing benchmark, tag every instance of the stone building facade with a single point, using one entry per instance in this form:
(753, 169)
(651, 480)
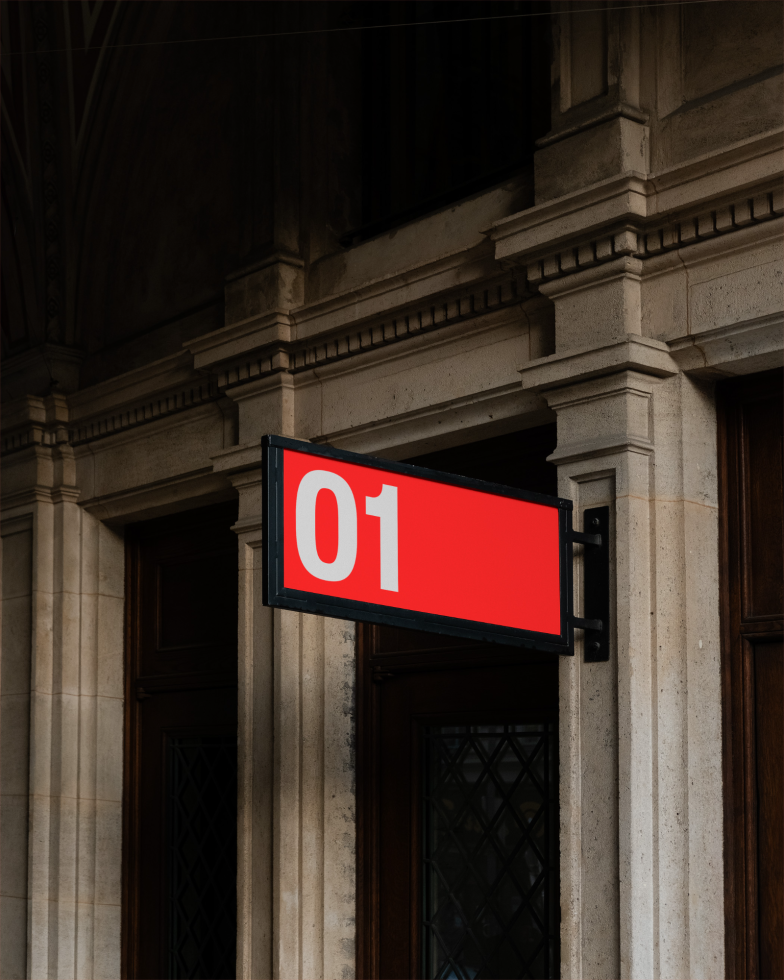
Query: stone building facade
(182, 274)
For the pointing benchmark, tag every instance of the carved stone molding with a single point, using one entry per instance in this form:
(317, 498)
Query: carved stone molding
(158, 407)
(35, 423)
(276, 357)
(642, 240)
(296, 357)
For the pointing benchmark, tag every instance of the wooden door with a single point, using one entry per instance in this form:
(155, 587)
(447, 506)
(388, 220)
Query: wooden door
(458, 784)
(752, 611)
(179, 914)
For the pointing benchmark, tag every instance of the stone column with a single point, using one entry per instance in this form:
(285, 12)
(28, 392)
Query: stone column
(296, 880)
(17, 543)
(63, 671)
(640, 736)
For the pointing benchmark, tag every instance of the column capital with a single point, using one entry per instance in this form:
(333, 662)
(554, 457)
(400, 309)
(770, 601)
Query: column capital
(564, 370)
(238, 463)
(241, 466)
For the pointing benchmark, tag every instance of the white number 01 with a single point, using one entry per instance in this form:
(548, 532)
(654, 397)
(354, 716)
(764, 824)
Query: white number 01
(384, 506)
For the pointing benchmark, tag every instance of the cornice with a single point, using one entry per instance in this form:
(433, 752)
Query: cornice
(439, 312)
(275, 357)
(170, 373)
(728, 170)
(644, 240)
(33, 421)
(150, 410)
(39, 495)
(472, 263)
(592, 119)
(40, 422)
(575, 215)
(274, 257)
(599, 448)
(227, 342)
(644, 215)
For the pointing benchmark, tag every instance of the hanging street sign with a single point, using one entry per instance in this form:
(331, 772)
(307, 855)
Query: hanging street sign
(362, 538)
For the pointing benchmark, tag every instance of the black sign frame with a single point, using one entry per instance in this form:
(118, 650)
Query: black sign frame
(277, 595)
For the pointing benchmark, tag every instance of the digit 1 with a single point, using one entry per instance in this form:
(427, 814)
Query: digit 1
(384, 506)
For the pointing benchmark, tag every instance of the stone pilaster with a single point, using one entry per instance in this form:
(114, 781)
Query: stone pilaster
(641, 774)
(296, 881)
(69, 711)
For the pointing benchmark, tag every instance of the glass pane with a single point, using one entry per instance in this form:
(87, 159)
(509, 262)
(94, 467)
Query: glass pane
(202, 855)
(490, 852)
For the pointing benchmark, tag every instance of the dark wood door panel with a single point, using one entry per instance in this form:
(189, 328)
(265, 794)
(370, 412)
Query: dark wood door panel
(192, 597)
(751, 482)
(203, 721)
(180, 799)
(761, 421)
(768, 758)
(187, 594)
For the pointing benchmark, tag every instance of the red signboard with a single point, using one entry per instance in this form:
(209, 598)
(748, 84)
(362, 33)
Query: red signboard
(368, 539)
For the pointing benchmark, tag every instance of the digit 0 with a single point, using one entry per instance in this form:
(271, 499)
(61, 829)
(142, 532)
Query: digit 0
(307, 492)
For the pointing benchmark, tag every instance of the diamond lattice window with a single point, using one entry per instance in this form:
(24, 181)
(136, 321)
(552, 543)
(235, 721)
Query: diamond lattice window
(202, 862)
(490, 851)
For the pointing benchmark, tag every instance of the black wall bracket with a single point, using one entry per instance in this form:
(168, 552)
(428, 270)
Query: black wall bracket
(596, 583)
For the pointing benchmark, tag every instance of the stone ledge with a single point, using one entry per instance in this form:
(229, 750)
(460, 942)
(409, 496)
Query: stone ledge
(219, 345)
(597, 448)
(592, 119)
(688, 185)
(36, 422)
(740, 348)
(630, 353)
(237, 459)
(199, 487)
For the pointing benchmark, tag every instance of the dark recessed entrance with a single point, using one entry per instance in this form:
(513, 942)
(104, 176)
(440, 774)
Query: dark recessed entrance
(458, 784)
(751, 484)
(180, 833)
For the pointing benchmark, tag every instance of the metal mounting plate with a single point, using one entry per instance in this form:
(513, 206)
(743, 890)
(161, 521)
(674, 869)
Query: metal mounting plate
(596, 584)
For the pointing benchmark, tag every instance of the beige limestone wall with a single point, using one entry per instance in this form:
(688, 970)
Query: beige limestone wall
(645, 729)
(714, 77)
(474, 361)
(17, 615)
(73, 707)
(445, 239)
